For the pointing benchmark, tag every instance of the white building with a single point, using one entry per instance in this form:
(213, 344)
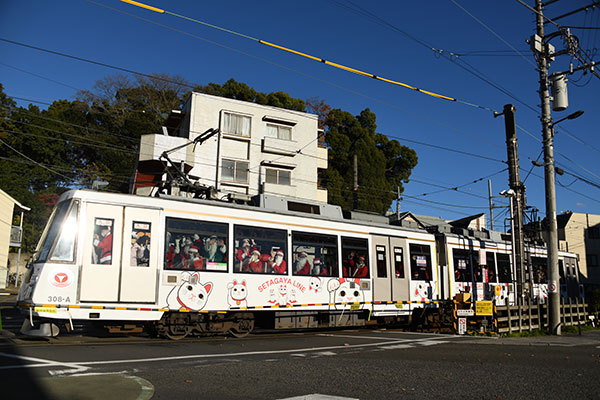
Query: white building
(259, 149)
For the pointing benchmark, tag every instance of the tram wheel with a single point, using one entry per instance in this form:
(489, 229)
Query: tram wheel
(242, 327)
(180, 334)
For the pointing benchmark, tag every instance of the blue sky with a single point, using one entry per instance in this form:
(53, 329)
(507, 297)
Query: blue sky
(338, 31)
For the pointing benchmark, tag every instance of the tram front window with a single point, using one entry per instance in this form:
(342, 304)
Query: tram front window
(65, 247)
(54, 228)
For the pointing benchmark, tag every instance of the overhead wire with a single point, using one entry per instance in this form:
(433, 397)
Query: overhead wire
(308, 56)
(425, 118)
(35, 162)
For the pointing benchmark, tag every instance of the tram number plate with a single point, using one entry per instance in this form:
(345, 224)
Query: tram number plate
(354, 307)
(45, 309)
(399, 305)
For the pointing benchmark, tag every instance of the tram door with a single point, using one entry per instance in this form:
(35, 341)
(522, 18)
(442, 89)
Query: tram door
(120, 254)
(390, 278)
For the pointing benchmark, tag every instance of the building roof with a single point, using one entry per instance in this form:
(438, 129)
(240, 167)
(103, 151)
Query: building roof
(17, 204)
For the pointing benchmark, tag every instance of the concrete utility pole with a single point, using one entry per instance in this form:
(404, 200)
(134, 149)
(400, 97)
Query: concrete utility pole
(517, 198)
(491, 205)
(549, 177)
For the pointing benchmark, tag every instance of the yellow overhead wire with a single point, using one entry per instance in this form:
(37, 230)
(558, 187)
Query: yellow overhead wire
(299, 53)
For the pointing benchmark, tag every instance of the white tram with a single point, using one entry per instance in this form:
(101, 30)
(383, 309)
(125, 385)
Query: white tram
(484, 268)
(195, 265)
(179, 266)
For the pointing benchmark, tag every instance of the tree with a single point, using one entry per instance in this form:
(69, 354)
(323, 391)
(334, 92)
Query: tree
(240, 91)
(383, 164)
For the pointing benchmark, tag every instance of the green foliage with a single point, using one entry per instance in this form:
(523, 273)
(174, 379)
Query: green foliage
(383, 164)
(240, 91)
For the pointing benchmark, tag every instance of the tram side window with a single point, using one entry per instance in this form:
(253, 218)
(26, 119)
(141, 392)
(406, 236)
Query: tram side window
(420, 262)
(140, 244)
(196, 245)
(314, 254)
(539, 268)
(103, 241)
(260, 250)
(399, 262)
(462, 265)
(65, 247)
(55, 224)
(380, 253)
(491, 267)
(504, 275)
(355, 256)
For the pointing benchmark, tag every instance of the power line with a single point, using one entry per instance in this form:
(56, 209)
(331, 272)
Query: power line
(35, 162)
(493, 32)
(308, 56)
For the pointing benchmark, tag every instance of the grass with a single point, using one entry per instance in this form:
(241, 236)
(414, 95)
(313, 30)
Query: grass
(538, 332)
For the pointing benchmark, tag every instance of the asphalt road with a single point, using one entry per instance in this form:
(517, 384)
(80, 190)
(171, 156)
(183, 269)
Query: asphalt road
(359, 364)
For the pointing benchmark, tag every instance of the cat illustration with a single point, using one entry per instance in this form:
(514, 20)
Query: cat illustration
(190, 295)
(237, 293)
(315, 284)
(345, 291)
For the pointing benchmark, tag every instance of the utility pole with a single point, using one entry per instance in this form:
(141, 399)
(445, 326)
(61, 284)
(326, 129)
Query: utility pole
(397, 202)
(549, 177)
(355, 187)
(491, 205)
(517, 197)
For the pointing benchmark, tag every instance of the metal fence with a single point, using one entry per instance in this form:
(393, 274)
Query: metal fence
(527, 317)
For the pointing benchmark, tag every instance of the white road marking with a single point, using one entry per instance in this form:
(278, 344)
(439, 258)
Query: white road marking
(247, 353)
(84, 365)
(74, 367)
(398, 346)
(356, 336)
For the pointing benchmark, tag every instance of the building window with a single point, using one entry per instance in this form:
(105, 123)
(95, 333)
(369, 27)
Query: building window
(234, 171)
(592, 260)
(279, 132)
(277, 176)
(234, 124)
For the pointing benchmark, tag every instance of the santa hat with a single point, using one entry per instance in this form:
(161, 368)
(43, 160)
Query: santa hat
(317, 261)
(303, 254)
(255, 251)
(279, 253)
(193, 249)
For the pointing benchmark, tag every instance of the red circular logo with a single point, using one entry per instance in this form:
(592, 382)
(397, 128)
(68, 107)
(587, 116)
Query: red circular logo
(61, 278)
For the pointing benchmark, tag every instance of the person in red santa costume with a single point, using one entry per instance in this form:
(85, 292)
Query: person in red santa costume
(361, 270)
(103, 243)
(302, 264)
(243, 256)
(277, 263)
(255, 264)
(196, 260)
